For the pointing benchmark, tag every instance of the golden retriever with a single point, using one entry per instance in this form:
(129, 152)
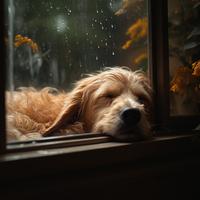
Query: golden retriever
(115, 101)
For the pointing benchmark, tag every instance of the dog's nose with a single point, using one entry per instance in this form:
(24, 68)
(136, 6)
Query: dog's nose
(130, 116)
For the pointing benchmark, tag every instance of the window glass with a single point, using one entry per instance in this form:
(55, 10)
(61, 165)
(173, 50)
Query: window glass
(184, 56)
(52, 43)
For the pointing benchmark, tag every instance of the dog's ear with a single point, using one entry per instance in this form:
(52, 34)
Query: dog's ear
(68, 113)
(73, 105)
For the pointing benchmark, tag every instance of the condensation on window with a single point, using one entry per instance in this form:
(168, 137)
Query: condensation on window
(52, 43)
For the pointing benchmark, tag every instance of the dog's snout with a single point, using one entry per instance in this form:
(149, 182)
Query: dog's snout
(130, 116)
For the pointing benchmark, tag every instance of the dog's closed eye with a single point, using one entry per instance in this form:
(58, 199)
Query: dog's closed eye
(142, 99)
(110, 95)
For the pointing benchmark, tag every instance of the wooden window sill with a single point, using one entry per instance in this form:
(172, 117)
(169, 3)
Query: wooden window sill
(88, 156)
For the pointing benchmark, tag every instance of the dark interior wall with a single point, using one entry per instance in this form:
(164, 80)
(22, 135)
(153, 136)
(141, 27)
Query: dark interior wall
(166, 178)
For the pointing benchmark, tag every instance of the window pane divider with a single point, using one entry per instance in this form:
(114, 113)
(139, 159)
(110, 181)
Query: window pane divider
(58, 142)
(158, 59)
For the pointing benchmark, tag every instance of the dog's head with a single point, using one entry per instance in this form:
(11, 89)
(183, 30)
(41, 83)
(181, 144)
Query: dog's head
(116, 101)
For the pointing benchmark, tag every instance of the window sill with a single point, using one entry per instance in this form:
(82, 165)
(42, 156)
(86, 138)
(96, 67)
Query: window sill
(90, 156)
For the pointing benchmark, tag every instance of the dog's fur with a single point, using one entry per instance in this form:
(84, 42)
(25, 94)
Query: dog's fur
(94, 105)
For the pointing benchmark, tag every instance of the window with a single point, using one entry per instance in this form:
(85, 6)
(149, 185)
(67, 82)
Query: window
(184, 57)
(174, 39)
(52, 43)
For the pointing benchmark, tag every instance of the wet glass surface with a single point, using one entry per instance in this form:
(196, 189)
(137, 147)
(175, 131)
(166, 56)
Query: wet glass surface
(52, 43)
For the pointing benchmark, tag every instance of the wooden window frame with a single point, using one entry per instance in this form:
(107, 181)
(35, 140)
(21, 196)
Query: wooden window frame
(2, 79)
(71, 147)
(159, 71)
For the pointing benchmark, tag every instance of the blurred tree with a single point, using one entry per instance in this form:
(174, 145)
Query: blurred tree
(73, 37)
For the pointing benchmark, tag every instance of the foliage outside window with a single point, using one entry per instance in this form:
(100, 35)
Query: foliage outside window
(184, 52)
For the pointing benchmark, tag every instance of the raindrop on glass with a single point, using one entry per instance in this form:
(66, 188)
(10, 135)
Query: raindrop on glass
(80, 65)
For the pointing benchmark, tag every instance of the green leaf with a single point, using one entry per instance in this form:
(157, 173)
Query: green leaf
(195, 32)
(191, 45)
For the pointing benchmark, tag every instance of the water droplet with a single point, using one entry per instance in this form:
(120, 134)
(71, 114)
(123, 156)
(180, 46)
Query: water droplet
(106, 44)
(95, 35)
(112, 26)
(80, 65)
(102, 28)
(113, 53)
(98, 47)
(97, 11)
(110, 36)
(97, 58)
(68, 11)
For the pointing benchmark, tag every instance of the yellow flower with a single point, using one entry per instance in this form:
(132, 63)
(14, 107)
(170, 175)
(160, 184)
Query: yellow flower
(175, 88)
(196, 68)
(136, 31)
(20, 40)
(140, 58)
(183, 78)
